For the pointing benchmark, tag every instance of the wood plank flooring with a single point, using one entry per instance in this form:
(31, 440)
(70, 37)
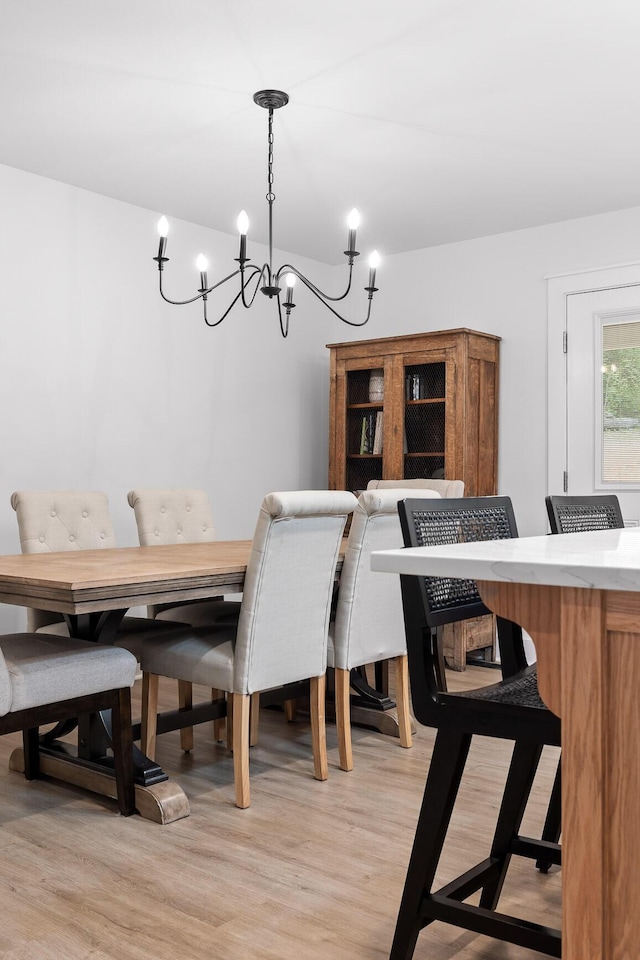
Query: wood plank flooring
(310, 871)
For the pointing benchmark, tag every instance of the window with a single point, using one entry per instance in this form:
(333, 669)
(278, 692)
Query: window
(618, 417)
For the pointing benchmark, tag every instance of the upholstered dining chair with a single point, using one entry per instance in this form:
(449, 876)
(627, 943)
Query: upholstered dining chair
(168, 515)
(60, 520)
(369, 625)
(45, 679)
(509, 710)
(281, 635)
(444, 488)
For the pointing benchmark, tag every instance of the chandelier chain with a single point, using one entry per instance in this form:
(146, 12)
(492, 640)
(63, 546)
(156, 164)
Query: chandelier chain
(270, 194)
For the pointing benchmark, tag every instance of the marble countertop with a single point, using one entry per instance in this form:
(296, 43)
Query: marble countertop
(606, 560)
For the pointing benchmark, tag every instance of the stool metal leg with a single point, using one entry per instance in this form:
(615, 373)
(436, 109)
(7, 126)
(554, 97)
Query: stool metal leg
(443, 781)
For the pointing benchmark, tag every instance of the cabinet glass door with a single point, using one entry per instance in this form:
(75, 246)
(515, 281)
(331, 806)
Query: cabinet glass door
(424, 420)
(364, 427)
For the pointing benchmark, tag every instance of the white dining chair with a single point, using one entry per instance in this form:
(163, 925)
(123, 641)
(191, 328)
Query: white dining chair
(45, 679)
(169, 515)
(445, 488)
(281, 634)
(369, 622)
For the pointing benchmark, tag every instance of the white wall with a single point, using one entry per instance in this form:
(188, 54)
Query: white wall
(496, 284)
(106, 387)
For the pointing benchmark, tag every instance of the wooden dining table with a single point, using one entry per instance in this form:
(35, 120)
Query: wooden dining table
(578, 596)
(93, 589)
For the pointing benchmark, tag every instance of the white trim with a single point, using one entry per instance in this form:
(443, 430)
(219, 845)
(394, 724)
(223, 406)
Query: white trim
(559, 288)
(579, 273)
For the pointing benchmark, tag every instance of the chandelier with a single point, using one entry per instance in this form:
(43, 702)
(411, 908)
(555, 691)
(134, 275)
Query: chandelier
(269, 281)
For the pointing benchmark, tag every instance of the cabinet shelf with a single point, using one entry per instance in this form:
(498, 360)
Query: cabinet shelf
(417, 403)
(431, 453)
(365, 406)
(364, 456)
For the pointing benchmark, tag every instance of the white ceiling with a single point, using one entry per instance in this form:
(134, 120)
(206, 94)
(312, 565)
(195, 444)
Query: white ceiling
(440, 120)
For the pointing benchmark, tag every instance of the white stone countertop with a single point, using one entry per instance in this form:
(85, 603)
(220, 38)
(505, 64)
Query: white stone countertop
(605, 560)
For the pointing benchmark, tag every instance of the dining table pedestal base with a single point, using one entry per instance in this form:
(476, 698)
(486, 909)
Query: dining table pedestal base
(163, 802)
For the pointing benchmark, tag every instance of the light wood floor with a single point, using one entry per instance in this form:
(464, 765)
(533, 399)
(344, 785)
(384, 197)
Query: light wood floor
(311, 871)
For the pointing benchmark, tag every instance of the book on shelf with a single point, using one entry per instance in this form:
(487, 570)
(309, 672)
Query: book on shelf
(371, 426)
(364, 440)
(377, 439)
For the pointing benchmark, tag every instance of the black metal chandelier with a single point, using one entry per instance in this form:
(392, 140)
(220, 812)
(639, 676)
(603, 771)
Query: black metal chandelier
(265, 278)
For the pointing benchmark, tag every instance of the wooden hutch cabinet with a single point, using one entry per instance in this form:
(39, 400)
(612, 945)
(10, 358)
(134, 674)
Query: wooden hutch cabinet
(437, 410)
(422, 405)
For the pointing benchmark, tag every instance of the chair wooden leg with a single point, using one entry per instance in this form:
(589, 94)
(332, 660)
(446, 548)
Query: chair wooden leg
(185, 702)
(318, 728)
(229, 699)
(443, 781)
(123, 752)
(290, 710)
(343, 717)
(241, 709)
(31, 747)
(218, 725)
(150, 682)
(254, 719)
(402, 700)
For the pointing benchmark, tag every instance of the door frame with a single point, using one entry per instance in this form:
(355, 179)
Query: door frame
(559, 288)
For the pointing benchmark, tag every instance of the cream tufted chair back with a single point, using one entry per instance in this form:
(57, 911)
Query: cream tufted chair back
(446, 488)
(171, 516)
(57, 520)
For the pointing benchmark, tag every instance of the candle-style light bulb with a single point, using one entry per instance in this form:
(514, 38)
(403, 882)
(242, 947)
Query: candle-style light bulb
(290, 281)
(374, 263)
(243, 222)
(243, 229)
(353, 220)
(201, 264)
(163, 230)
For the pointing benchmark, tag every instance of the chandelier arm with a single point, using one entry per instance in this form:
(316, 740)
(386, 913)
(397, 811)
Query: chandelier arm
(201, 293)
(220, 282)
(259, 273)
(217, 323)
(288, 268)
(323, 300)
(284, 325)
(177, 303)
(240, 293)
